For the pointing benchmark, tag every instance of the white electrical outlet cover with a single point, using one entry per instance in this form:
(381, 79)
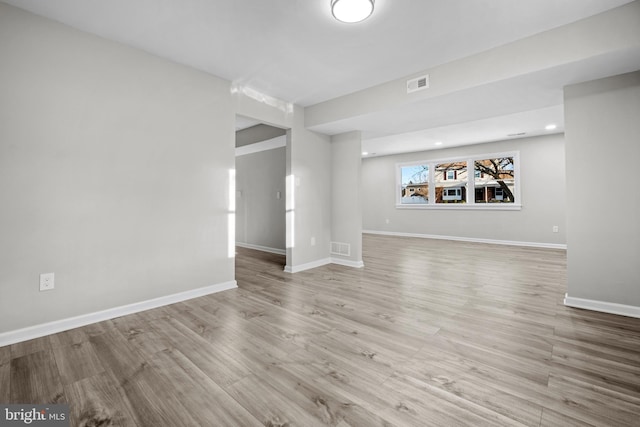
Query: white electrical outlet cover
(47, 281)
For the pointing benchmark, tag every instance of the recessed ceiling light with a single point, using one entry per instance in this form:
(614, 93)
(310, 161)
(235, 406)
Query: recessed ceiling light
(517, 134)
(438, 143)
(351, 11)
(364, 153)
(550, 127)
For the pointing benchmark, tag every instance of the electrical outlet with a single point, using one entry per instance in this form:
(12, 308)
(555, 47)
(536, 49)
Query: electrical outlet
(555, 228)
(47, 281)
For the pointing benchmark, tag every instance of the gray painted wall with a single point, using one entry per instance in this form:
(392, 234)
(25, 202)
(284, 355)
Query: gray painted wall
(542, 164)
(603, 204)
(260, 217)
(309, 163)
(114, 173)
(257, 133)
(346, 193)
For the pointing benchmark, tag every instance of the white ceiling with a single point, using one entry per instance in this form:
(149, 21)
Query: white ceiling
(295, 51)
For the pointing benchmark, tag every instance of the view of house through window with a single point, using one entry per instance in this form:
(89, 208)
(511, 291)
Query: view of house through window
(448, 182)
(415, 184)
(495, 180)
(451, 182)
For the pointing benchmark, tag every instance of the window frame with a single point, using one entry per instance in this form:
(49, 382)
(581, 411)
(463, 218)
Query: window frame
(470, 203)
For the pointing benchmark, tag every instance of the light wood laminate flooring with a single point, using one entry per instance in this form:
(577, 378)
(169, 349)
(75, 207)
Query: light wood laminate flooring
(429, 333)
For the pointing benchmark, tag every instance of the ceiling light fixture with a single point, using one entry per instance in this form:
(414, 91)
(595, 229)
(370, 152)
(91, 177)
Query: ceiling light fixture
(351, 11)
(364, 153)
(438, 143)
(550, 127)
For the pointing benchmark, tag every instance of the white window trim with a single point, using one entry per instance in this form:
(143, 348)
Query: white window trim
(471, 203)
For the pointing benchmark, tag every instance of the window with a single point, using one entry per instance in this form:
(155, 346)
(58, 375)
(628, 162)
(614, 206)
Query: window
(452, 194)
(414, 184)
(496, 183)
(447, 183)
(450, 182)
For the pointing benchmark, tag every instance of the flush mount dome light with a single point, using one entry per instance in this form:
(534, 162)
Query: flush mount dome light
(351, 10)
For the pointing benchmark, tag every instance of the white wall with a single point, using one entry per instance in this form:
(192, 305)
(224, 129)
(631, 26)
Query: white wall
(309, 166)
(260, 218)
(603, 203)
(542, 185)
(114, 173)
(346, 195)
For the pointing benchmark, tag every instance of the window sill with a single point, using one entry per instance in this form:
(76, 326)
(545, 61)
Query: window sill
(465, 206)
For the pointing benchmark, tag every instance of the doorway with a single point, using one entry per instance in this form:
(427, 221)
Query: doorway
(260, 186)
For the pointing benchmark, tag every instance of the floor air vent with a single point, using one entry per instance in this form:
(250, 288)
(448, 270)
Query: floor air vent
(419, 83)
(338, 248)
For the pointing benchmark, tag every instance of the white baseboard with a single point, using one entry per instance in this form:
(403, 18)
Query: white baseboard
(37, 331)
(470, 239)
(321, 262)
(347, 262)
(307, 266)
(262, 248)
(603, 306)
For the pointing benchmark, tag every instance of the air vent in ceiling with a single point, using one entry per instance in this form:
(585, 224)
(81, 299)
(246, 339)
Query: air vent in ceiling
(419, 83)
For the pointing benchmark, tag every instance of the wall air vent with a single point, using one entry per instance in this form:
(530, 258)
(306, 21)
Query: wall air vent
(338, 248)
(419, 83)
